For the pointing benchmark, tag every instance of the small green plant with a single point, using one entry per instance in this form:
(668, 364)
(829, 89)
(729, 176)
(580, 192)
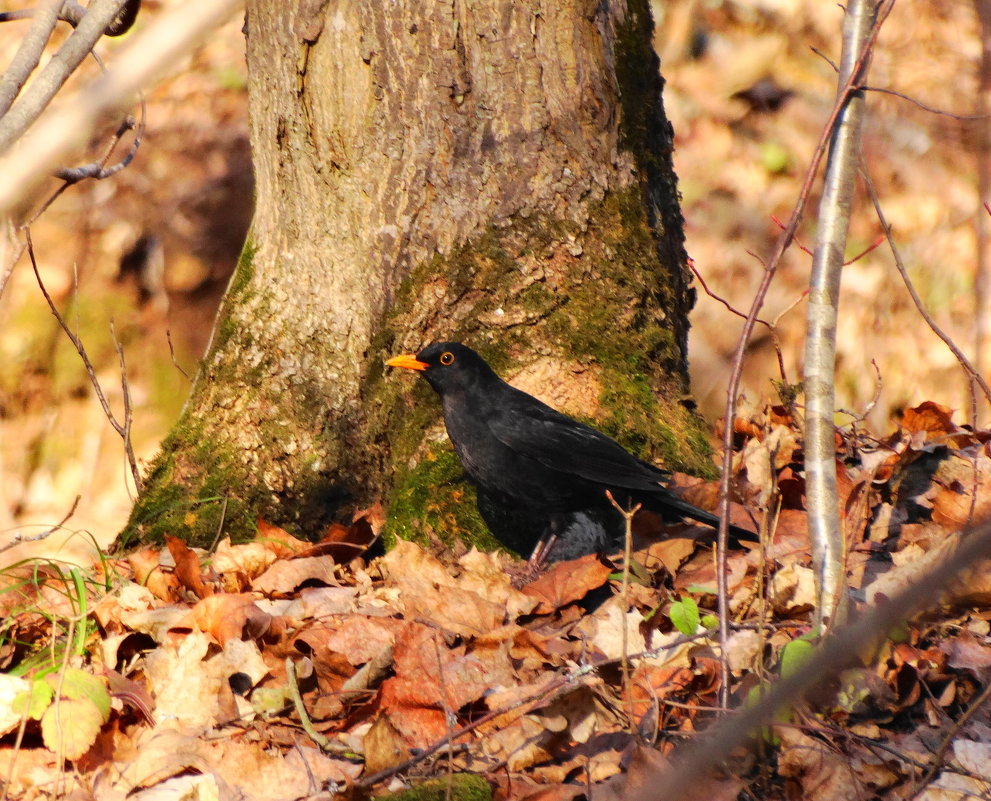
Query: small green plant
(684, 614)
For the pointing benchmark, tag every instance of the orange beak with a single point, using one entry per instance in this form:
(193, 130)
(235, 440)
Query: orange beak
(407, 360)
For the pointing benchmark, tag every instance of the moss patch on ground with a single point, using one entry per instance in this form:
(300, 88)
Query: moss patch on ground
(457, 787)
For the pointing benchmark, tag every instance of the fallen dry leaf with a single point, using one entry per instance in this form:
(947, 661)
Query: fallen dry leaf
(565, 582)
(187, 567)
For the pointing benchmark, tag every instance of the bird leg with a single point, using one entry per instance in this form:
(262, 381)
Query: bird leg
(542, 550)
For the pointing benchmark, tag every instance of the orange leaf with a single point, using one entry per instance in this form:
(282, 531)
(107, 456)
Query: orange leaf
(565, 582)
(187, 567)
(226, 617)
(929, 417)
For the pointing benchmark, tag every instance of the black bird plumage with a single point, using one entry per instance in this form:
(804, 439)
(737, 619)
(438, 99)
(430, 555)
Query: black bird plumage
(525, 455)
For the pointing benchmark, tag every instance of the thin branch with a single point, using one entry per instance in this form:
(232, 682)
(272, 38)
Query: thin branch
(123, 429)
(175, 363)
(937, 761)
(775, 340)
(624, 664)
(128, 411)
(924, 107)
(55, 73)
(149, 52)
(972, 373)
(98, 169)
(19, 538)
(28, 55)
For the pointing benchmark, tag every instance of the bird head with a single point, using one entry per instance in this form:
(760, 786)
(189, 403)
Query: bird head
(447, 366)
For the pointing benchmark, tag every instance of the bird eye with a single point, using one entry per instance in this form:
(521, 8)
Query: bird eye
(447, 358)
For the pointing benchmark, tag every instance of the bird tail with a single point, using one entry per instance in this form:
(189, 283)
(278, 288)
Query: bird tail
(672, 503)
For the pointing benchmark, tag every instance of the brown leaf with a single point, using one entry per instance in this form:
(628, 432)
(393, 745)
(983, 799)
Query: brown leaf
(279, 541)
(821, 771)
(228, 617)
(342, 543)
(287, 575)
(430, 682)
(650, 684)
(968, 653)
(457, 610)
(357, 637)
(384, 746)
(148, 573)
(565, 582)
(929, 417)
(187, 567)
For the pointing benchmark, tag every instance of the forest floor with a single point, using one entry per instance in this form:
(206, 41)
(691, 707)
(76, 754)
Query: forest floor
(171, 670)
(282, 669)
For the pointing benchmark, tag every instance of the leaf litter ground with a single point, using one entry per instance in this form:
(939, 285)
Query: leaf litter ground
(282, 669)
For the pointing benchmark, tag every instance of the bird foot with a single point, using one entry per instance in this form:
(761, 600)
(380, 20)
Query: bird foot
(522, 573)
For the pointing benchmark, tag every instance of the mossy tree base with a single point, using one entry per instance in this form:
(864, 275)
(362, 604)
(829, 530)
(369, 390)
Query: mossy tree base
(530, 209)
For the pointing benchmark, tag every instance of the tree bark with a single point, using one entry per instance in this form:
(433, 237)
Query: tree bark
(497, 173)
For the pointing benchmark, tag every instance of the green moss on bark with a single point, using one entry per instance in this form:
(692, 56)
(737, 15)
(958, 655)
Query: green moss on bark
(604, 308)
(433, 501)
(193, 490)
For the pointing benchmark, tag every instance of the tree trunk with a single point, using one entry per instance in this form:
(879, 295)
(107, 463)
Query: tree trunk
(492, 172)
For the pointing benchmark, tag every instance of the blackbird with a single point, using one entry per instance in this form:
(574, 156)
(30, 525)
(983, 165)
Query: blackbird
(524, 455)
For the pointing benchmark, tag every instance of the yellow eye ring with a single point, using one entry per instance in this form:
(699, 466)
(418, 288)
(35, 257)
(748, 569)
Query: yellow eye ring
(447, 358)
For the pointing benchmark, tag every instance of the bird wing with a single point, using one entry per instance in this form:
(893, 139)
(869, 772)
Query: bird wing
(534, 429)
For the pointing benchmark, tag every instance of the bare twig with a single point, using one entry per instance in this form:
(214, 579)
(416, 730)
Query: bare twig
(624, 664)
(98, 169)
(19, 538)
(733, 310)
(28, 55)
(128, 411)
(53, 76)
(123, 429)
(878, 386)
(972, 373)
(175, 363)
(148, 53)
(937, 760)
(924, 107)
